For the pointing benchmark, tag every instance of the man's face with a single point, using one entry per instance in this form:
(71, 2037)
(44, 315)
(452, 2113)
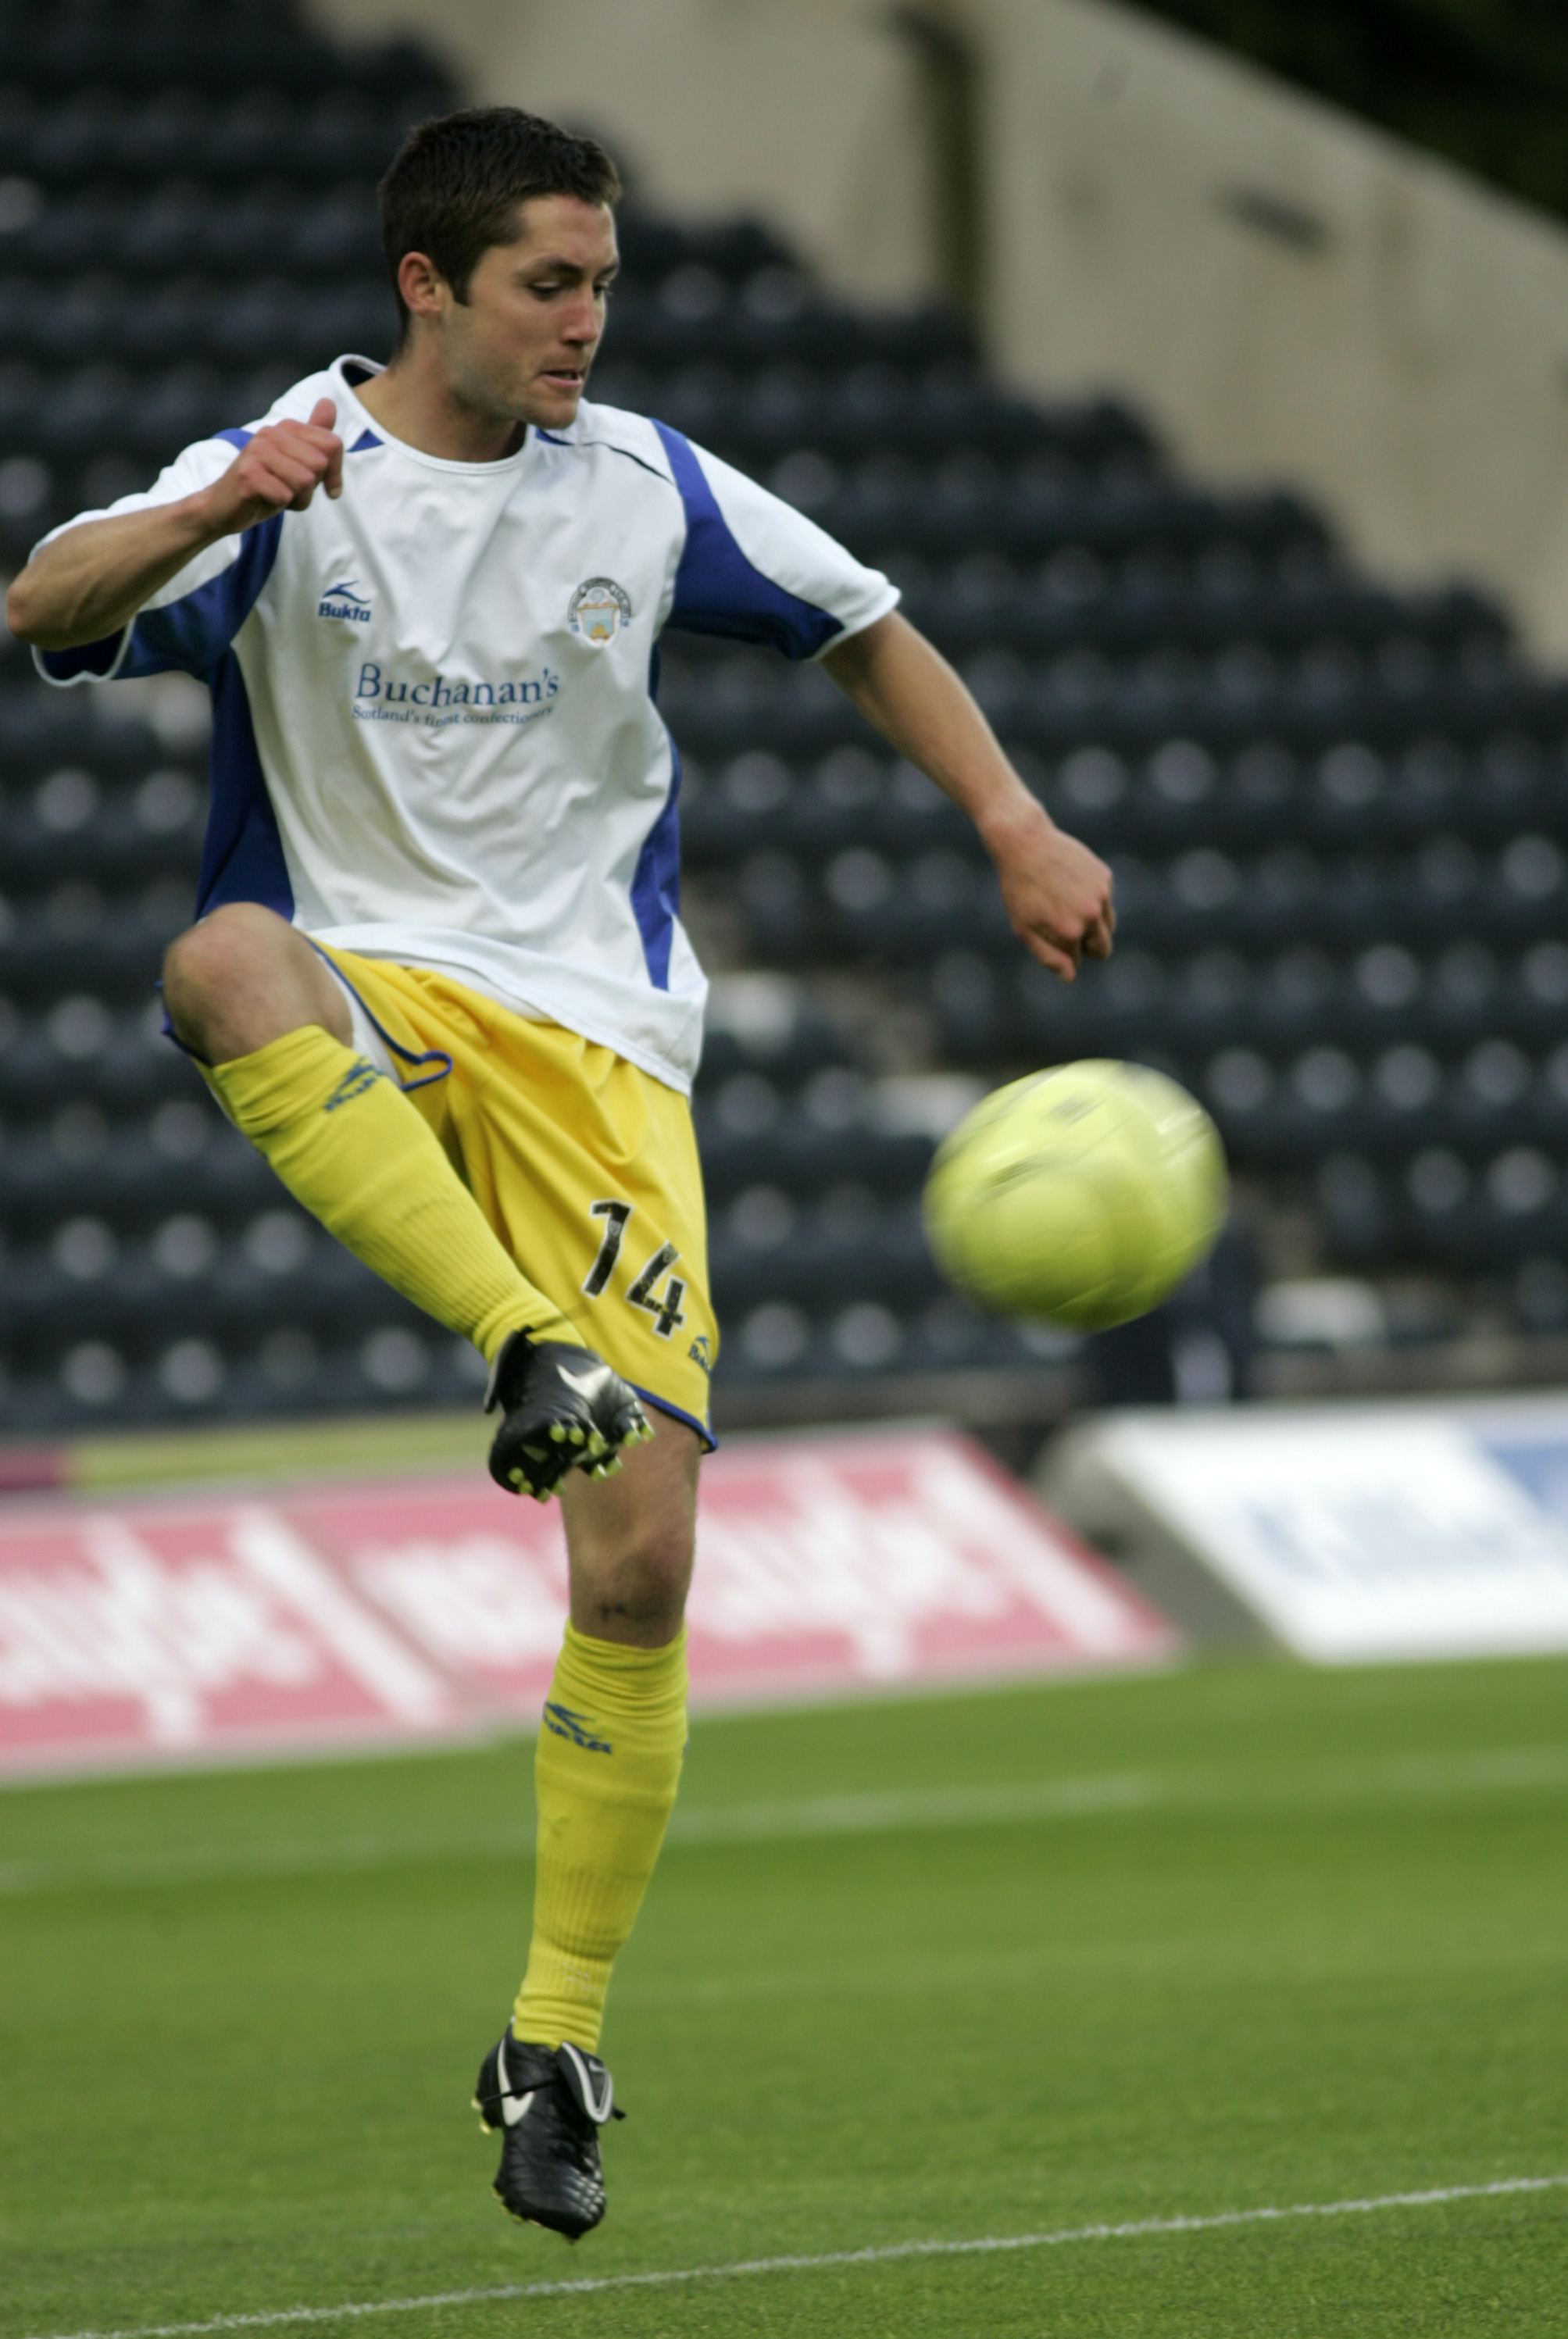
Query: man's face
(523, 341)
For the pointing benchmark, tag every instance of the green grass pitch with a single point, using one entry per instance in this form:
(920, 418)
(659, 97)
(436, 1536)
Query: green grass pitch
(1235, 1938)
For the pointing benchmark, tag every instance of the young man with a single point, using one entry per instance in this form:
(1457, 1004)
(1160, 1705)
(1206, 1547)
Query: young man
(437, 975)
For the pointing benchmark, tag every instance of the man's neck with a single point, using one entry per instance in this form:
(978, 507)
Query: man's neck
(414, 402)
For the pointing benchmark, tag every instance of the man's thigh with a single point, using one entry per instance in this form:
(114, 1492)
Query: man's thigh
(586, 1167)
(629, 1539)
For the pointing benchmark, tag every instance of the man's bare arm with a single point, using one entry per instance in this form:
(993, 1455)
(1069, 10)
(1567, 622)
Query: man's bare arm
(90, 582)
(1056, 892)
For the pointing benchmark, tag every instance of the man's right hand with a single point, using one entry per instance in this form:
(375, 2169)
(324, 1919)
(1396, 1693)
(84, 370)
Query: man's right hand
(279, 469)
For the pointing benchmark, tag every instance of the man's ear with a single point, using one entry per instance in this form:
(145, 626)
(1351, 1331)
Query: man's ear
(424, 289)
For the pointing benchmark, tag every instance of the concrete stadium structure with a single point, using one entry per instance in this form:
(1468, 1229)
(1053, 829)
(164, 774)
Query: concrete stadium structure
(1285, 291)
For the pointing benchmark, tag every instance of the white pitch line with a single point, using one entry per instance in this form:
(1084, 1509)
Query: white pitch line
(1492, 1771)
(1134, 2229)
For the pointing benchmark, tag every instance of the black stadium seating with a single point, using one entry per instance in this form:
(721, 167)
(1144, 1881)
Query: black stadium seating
(1339, 814)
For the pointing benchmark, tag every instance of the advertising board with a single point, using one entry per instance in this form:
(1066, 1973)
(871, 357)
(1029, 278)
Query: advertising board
(219, 1626)
(1348, 1533)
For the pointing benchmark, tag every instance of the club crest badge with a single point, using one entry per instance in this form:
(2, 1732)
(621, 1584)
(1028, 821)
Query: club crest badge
(599, 610)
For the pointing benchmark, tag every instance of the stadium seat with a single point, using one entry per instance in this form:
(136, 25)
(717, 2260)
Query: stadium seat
(1338, 814)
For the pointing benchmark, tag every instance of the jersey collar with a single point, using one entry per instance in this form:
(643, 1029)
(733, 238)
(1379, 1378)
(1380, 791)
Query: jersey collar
(364, 421)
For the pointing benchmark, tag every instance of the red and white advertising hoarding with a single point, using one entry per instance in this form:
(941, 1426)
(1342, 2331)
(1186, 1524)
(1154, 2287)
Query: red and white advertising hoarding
(213, 1625)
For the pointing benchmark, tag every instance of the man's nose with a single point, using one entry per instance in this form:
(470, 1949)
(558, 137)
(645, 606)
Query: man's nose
(583, 322)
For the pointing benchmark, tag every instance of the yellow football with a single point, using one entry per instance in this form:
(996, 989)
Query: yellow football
(1080, 1196)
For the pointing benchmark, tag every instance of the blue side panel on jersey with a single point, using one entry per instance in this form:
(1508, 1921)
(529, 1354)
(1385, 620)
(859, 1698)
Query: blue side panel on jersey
(717, 589)
(243, 853)
(656, 882)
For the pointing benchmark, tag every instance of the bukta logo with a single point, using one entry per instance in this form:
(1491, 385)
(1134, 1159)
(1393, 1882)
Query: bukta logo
(599, 609)
(342, 601)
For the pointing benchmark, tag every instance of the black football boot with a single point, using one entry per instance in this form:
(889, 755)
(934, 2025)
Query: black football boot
(563, 1409)
(549, 2108)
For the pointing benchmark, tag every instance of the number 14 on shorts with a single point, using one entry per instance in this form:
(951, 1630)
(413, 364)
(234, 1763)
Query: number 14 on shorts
(642, 1291)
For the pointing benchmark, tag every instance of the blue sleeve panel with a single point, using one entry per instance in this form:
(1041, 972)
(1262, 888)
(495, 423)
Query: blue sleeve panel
(87, 657)
(191, 634)
(717, 589)
(242, 852)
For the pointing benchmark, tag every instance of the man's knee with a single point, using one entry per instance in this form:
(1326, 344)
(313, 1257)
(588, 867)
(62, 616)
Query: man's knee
(633, 1585)
(631, 1541)
(633, 1588)
(658, 1566)
(235, 945)
(242, 977)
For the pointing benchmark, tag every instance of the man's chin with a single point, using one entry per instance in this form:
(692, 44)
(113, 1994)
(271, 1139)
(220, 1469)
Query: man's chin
(553, 409)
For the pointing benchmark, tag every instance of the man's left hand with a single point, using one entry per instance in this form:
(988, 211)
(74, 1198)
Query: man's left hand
(1056, 892)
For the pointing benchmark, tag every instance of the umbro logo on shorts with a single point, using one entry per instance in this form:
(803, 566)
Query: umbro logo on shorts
(358, 1077)
(565, 1724)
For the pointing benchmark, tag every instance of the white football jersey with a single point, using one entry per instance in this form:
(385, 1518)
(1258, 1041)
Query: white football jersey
(436, 737)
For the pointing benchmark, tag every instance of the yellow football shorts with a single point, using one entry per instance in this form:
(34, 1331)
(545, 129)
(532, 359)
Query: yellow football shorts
(584, 1166)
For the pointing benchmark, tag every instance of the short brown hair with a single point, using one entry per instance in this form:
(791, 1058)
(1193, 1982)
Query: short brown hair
(454, 185)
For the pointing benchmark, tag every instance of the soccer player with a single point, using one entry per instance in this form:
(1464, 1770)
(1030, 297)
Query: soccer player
(437, 974)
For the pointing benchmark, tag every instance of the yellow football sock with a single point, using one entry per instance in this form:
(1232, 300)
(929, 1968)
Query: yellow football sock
(350, 1146)
(606, 1772)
